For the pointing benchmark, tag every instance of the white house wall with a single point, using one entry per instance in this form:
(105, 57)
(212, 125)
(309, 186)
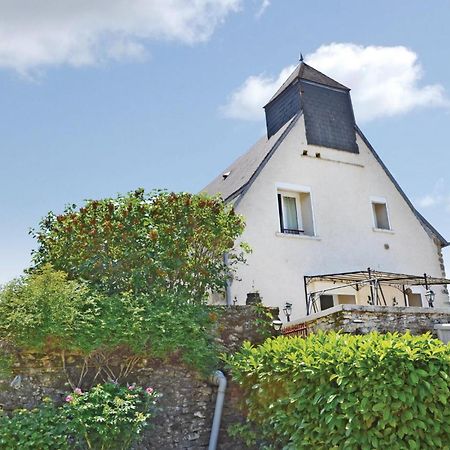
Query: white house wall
(341, 185)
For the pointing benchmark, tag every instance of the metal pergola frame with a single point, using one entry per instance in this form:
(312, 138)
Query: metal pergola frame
(375, 279)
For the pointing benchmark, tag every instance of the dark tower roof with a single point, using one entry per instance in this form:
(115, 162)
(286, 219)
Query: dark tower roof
(325, 104)
(305, 72)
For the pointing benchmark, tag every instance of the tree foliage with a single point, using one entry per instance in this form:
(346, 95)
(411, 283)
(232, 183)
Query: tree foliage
(335, 391)
(143, 243)
(43, 310)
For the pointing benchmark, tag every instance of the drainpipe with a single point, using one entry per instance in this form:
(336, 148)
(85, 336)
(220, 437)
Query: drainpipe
(228, 285)
(218, 378)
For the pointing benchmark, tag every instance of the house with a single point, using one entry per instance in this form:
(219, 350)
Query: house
(321, 208)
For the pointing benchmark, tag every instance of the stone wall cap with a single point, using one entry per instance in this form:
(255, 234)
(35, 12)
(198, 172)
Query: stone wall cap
(442, 326)
(369, 308)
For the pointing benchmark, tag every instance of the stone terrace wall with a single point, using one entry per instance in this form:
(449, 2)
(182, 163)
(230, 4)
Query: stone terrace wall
(360, 319)
(187, 404)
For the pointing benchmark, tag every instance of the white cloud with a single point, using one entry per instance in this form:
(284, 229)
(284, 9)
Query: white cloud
(262, 9)
(34, 33)
(247, 101)
(385, 81)
(439, 197)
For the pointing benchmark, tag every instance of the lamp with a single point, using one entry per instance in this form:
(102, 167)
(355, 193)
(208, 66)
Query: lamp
(430, 296)
(277, 324)
(288, 311)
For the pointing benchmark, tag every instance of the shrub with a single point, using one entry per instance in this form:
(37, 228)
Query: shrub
(336, 391)
(144, 243)
(110, 417)
(46, 310)
(41, 428)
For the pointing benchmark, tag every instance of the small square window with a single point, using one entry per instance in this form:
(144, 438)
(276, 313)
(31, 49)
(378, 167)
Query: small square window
(380, 215)
(295, 213)
(326, 302)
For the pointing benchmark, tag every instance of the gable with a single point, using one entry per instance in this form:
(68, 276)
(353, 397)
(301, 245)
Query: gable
(246, 169)
(425, 224)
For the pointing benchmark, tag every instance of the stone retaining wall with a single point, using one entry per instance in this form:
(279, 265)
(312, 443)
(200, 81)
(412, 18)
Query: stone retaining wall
(187, 404)
(360, 319)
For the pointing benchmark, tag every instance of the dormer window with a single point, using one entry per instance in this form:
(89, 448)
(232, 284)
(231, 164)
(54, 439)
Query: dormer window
(295, 212)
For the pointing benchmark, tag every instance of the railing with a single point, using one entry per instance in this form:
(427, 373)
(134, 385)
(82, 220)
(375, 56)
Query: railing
(299, 329)
(291, 231)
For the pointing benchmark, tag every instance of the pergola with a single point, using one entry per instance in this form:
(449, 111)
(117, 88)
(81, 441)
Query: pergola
(375, 279)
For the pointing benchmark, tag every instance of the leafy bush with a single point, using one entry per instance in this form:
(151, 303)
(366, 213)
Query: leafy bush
(110, 417)
(45, 310)
(336, 391)
(41, 428)
(144, 243)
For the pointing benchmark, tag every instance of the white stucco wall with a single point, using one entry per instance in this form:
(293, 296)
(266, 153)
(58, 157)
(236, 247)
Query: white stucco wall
(342, 185)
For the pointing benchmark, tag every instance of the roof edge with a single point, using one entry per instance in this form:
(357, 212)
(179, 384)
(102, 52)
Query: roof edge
(424, 222)
(245, 187)
(299, 76)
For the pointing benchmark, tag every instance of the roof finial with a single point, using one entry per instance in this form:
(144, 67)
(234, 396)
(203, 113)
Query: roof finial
(301, 57)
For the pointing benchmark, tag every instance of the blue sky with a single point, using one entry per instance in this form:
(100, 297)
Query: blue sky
(102, 97)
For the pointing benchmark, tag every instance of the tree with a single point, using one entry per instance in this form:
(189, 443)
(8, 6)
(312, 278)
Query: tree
(144, 243)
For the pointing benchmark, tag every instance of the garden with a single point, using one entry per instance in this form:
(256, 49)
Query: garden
(128, 278)
(124, 278)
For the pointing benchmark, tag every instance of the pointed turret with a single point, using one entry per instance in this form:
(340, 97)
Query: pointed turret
(325, 104)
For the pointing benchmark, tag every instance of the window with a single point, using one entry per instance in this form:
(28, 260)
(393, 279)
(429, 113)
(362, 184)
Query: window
(326, 302)
(346, 299)
(414, 299)
(295, 213)
(380, 214)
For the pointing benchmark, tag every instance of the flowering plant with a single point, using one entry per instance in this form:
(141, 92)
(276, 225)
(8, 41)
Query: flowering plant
(110, 416)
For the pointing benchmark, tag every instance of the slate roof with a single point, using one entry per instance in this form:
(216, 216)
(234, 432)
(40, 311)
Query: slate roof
(305, 72)
(246, 167)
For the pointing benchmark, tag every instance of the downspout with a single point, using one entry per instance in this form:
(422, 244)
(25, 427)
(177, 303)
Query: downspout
(218, 378)
(228, 285)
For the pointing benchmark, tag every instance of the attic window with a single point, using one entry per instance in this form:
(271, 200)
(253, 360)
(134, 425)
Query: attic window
(380, 214)
(295, 213)
(225, 175)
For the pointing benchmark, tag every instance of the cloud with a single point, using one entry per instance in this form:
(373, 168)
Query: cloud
(247, 101)
(262, 9)
(35, 34)
(439, 197)
(385, 81)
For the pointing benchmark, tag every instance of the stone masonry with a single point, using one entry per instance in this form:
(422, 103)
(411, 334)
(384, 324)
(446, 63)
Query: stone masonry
(186, 407)
(361, 319)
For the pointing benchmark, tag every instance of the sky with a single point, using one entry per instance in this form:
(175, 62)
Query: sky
(103, 96)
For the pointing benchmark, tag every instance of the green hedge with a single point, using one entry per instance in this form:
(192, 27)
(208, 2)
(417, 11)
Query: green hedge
(337, 391)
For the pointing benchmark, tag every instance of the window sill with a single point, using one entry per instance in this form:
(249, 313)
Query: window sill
(298, 236)
(383, 230)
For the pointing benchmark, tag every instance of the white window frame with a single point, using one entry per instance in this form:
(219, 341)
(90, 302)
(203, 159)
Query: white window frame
(296, 190)
(380, 201)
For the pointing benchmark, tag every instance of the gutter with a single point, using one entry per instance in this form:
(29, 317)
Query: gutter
(218, 379)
